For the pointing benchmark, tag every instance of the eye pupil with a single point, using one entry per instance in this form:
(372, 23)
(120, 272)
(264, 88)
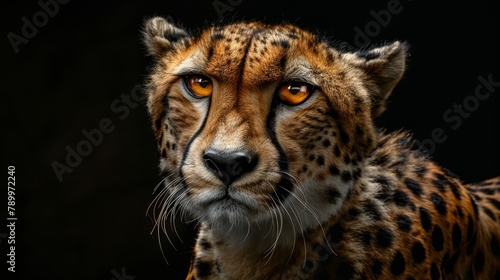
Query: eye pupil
(203, 83)
(294, 89)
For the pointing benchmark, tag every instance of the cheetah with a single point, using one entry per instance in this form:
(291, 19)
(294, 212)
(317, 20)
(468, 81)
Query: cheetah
(267, 139)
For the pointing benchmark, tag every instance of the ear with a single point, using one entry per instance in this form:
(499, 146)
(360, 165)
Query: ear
(382, 69)
(161, 36)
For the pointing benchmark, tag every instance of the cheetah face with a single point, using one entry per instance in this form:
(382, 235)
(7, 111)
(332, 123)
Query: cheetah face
(258, 122)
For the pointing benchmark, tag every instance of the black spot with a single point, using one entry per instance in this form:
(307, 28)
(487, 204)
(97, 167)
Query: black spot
(336, 233)
(356, 173)
(479, 261)
(477, 197)
(174, 146)
(333, 195)
(377, 267)
(336, 150)
(312, 157)
(456, 236)
(163, 154)
(449, 264)
(414, 187)
(349, 194)
(435, 275)
(487, 191)
(210, 52)
(358, 130)
(346, 176)
(217, 36)
(470, 228)
(326, 143)
(205, 245)
(382, 160)
(382, 180)
(334, 170)
(202, 268)
(418, 252)
(347, 159)
(285, 44)
(330, 57)
(471, 245)
(366, 238)
(384, 192)
(401, 198)
(354, 212)
(446, 259)
(474, 206)
(372, 210)
(384, 237)
(344, 138)
(437, 238)
(495, 203)
(455, 191)
(425, 219)
(495, 245)
(489, 213)
(320, 160)
(345, 270)
(398, 264)
(421, 170)
(404, 223)
(439, 185)
(439, 203)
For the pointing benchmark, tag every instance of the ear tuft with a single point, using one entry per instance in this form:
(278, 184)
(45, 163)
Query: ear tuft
(383, 67)
(161, 36)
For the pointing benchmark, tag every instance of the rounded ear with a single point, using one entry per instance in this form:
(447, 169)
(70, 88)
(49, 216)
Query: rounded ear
(161, 36)
(382, 68)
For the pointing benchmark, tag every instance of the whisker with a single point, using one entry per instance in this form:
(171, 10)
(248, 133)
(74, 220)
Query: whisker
(306, 207)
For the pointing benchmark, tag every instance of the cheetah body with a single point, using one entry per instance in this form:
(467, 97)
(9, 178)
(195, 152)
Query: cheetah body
(320, 193)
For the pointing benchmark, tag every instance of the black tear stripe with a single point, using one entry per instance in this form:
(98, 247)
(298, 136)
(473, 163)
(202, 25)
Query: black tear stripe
(285, 185)
(188, 146)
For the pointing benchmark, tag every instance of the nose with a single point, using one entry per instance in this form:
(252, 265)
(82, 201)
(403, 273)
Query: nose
(229, 166)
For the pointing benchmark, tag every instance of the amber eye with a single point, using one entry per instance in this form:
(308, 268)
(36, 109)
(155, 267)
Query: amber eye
(294, 93)
(198, 85)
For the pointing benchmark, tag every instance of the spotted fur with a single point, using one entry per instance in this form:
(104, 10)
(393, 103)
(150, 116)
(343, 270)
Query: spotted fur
(328, 196)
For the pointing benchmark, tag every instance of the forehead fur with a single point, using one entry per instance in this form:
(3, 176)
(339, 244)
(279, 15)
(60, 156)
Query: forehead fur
(256, 54)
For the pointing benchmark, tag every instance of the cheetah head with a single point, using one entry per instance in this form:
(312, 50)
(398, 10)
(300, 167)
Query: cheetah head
(258, 122)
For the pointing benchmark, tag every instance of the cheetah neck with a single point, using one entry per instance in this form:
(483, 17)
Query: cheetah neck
(258, 245)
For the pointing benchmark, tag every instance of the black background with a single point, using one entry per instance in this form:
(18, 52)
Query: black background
(89, 54)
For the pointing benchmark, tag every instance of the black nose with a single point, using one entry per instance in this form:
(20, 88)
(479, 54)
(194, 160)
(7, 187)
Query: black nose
(229, 166)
